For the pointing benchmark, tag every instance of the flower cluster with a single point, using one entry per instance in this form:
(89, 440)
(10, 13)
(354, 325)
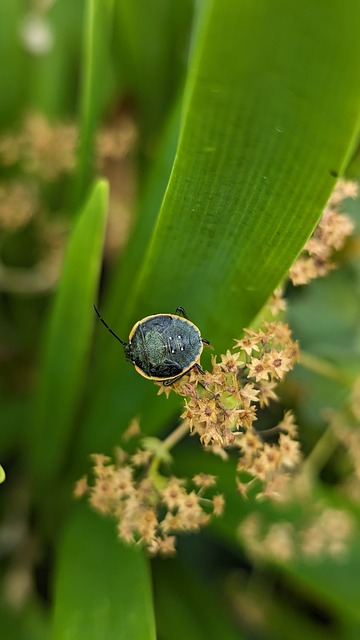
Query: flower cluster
(48, 150)
(323, 528)
(150, 509)
(19, 202)
(40, 152)
(116, 140)
(40, 148)
(277, 303)
(222, 406)
(325, 531)
(330, 234)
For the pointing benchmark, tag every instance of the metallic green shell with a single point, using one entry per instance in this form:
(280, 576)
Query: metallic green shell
(164, 346)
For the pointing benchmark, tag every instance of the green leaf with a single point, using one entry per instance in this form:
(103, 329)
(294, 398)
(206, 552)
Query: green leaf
(151, 37)
(102, 588)
(105, 381)
(188, 607)
(270, 116)
(50, 74)
(11, 73)
(97, 79)
(62, 374)
(324, 317)
(255, 160)
(28, 622)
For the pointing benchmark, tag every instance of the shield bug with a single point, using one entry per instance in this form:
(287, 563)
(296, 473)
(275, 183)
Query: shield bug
(164, 346)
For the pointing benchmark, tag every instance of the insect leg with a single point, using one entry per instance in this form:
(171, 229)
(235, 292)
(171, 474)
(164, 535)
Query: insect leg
(167, 383)
(182, 312)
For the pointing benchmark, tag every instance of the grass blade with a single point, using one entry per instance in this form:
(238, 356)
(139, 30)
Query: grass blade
(102, 589)
(67, 343)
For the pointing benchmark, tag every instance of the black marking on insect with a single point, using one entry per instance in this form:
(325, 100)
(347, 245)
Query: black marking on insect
(164, 346)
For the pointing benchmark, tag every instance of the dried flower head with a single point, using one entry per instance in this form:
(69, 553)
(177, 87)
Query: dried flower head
(19, 203)
(115, 141)
(221, 407)
(329, 236)
(277, 304)
(40, 151)
(323, 531)
(46, 149)
(150, 509)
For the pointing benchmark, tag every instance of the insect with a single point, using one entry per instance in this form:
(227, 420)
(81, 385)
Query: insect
(164, 346)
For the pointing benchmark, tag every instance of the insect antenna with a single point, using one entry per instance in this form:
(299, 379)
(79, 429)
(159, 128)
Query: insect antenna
(107, 326)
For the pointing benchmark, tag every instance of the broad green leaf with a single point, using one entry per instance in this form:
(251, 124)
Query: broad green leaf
(270, 116)
(102, 588)
(62, 374)
(150, 202)
(188, 607)
(256, 157)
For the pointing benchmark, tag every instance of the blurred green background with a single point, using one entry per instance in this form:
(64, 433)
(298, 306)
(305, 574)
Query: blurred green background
(156, 154)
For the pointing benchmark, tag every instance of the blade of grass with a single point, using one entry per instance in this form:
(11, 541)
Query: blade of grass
(97, 80)
(122, 282)
(51, 76)
(102, 588)
(62, 373)
(11, 73)
(152, 37)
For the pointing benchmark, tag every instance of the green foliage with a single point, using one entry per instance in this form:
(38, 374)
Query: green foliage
(246, 115)
(107, 597)
(67, 343)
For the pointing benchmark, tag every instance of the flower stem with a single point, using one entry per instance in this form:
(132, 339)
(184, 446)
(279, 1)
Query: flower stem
(175, 436)
(324, 368)
(321, 452)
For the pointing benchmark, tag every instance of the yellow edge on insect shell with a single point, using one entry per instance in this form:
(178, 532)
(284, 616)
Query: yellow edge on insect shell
(169, 315)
